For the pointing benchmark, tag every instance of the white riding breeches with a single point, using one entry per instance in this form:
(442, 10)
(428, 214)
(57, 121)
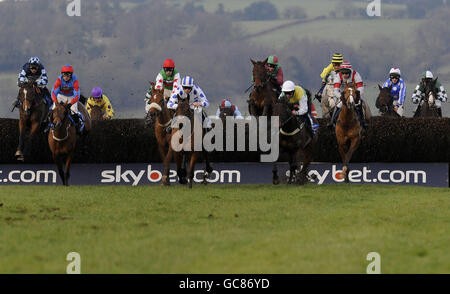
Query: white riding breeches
(63, 98)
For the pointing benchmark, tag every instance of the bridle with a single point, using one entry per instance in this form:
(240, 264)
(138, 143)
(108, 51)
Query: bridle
(159, 108)
(56, 127)
(295, 131)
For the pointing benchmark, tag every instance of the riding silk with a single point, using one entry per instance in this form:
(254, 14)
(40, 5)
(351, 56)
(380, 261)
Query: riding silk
(68, 89)
(40, 76)
(441, 94)
(104, 103)
(196, 95)
(169, 83)
(328, 74)
(299, 98)
(398, 91)
(354, 78)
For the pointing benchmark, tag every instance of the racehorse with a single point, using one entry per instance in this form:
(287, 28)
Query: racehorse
(32, 112)
(428, 103)
(264, 92)
(384, 102)
(62, 139)
(97, 112)
(348, 128)
(294, 139)
(161, 117)
(184, 109)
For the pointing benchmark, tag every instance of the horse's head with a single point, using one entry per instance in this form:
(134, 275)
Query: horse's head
(27, 96)
(430, 91)
(156, 104)
(260, 76)
(59, 115)
(350, 96)
(226, 111)
(282, 110)
(384, 100)
(97, 111)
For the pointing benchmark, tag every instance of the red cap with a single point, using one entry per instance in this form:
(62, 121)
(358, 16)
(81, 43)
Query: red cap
(346, 64)
(67, 68)
(169, 63)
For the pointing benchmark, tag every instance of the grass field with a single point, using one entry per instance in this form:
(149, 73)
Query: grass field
(225, 229)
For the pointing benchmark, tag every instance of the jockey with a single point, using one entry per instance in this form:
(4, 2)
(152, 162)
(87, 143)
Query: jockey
(67, 89)
(275, 71)
(191, 91)
(352, 77)
(297, 98)
(326, 93)
(419, 92)
(227, 104)
(100, 99)
(35, 70)
(168, 77)
(398, 91)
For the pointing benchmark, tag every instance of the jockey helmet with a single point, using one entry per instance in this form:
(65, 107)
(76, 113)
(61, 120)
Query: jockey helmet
(337, 58)
(226, 103)
(428, 75)
(288, 86)
(67, 69)
(187, 82)
(273, 59)
(97, 92)
(34, 60)
(169, 63)
(395, 73)
(346, 67)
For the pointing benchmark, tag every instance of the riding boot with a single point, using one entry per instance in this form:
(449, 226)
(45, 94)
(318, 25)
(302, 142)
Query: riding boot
(439, 111)
(76, 121)
(361, 117)
(333, 120)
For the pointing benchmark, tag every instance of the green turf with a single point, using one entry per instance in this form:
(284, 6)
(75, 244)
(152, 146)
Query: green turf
(225, 229)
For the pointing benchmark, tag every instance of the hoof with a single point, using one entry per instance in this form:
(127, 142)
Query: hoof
(275, 181)
(165, 181)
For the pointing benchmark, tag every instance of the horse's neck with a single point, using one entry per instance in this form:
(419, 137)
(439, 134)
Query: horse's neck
(165, 116)
(347, 113)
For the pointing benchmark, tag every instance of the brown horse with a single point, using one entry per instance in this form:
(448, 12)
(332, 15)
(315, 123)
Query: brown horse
(181, 156)
(161, 118)
(427, 104)
(264, 92)
(97, 112)
(384, 102)
(348, 128)
(294, 140)
(32, 112)
(62, 139)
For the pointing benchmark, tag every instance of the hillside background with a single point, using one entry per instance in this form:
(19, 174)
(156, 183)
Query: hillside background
(120, 45)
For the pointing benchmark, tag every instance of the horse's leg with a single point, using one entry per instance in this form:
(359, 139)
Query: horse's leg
(180, 173)
(354, 143)
(59, 164)
(208, 168)
(35, 126)
(167, 158)
(67, 168)
(19, 152)
(275, 179)
(307, 158)
(292, 168)
(194, 156)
